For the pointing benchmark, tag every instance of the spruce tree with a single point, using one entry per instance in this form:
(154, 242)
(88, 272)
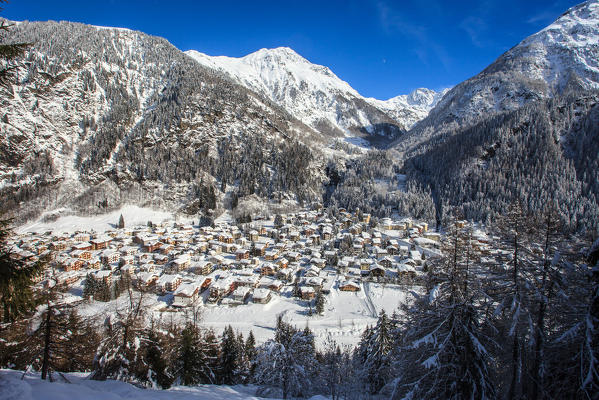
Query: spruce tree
(155, 371)
(9, 52)
(121, 223)
(229, 361)
(376, 368)
(16, 279)
(211, 373)
(250, 347)
(320, 300)
(444, 349)
(189, 361)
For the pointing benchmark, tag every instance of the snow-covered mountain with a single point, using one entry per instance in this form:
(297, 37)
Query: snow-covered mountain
(563, 56)
(316, 96)
(410, 108)
(101, 116)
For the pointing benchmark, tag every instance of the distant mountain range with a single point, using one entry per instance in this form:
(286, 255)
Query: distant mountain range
(316, 96)
(95, 117)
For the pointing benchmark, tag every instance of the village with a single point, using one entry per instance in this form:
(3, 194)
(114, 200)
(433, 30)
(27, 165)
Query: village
(301, 255)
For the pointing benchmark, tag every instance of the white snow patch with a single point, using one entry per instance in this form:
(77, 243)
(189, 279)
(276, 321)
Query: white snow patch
(133, 215)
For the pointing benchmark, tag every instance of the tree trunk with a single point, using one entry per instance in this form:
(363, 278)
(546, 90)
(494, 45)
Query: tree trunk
(47, 342)
(514, 392)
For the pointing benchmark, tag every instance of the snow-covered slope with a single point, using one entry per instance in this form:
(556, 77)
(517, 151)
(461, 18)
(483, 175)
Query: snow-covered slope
(316, 96)
(106, 116)
(31, 387)
(563, 56)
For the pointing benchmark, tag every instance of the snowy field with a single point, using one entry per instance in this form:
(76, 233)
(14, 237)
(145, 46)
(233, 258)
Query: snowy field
(12, 387)
(132, 215)
(345, 318)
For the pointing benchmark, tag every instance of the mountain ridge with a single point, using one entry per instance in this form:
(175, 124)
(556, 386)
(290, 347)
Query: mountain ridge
(562, 56)
(314, 94)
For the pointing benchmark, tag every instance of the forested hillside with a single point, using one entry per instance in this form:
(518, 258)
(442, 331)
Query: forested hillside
(543, 153)
(103, 116)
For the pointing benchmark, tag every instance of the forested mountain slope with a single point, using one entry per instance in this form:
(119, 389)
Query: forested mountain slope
(543, 153)
(98, 116)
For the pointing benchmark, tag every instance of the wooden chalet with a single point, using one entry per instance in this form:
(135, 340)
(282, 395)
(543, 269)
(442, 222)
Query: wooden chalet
(349, 286)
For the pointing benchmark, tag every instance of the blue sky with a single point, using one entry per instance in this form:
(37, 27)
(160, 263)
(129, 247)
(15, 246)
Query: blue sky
(381, 48)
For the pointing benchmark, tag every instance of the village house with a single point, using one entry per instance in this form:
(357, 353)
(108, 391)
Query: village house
(268, 269)
(145, 280)
(160, 259)
(260, 249)
(307, 292)
(110, 256)
(250, 280)
(377, 270)
(201, 267)
(100, 243)
(104, 275)
(348, 286)
(406, 271)
(167, 248)
(72, 264)
(313, 281)
(94, 263)
(186, 294)
(82, 254)
(168, 283)
(220, 289)
(241, 294)
(68, 279)
(81, 237)
(83, 246)
(287, 274)
(261, 296)
(182, 262)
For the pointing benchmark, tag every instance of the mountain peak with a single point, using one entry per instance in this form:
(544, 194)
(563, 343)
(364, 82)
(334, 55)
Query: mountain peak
(315, 95)
(563, 55)
(280, 51)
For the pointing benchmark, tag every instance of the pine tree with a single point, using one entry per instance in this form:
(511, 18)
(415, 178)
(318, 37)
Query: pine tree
(278, 222)
(376, 366)
(189, 361)
(444, 349)
(244, 364)
(155, 370)
(77, 340)
(9, 52)
(90, 286)
(230, 357)
(117, 354)
(288, 361)
(320, 300)
(515, 295)
(211, 351)
(121, 223)
(16, 279)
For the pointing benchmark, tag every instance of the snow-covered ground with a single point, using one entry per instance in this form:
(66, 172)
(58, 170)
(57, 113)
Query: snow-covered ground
(133, 215)
(346, 314)
(31, 387)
